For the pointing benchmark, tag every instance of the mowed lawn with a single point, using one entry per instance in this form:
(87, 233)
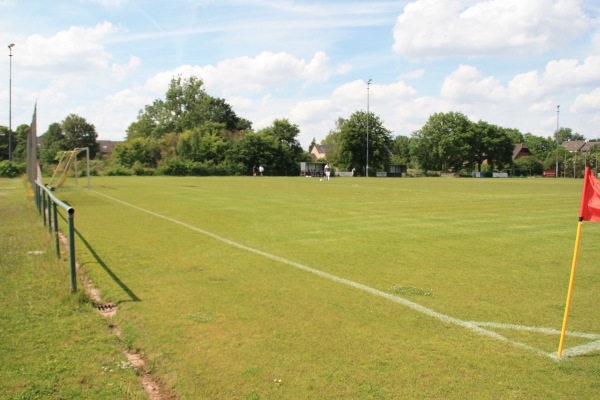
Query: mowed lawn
(267, 287)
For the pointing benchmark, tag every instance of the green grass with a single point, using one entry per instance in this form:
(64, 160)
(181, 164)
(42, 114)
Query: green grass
(219, 319)
(53, 345)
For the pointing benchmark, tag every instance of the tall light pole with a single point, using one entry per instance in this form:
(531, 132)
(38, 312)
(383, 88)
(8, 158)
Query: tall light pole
(368, 85)
(557, 114)
(10, 46)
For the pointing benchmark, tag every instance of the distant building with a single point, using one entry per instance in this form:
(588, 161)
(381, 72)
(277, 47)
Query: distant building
(579, 146)
(107, 146)
(319, 152)
(520, 151)
(589, 146)
(573, 146)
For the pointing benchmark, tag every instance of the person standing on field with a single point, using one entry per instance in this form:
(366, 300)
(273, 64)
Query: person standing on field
(327, 171)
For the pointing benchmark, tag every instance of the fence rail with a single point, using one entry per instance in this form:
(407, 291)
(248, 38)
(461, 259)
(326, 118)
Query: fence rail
(47, 204)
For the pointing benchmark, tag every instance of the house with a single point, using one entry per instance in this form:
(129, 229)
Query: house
(573, 145)
(520, 151)
(589, 146)
(319, 152)
(107, 146)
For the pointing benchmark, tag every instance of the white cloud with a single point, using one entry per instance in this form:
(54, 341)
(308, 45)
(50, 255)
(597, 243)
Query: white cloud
(467, 83)
(588, 102)
(571, 72)
(310, 111)
(76, 48)
(120, 72)
(265, 71)
(416, 74)
(437, 28)
(109, 3)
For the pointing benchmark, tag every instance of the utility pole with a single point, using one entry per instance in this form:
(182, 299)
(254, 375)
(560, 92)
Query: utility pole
(10, 46)
(557, 114)
(368, 85)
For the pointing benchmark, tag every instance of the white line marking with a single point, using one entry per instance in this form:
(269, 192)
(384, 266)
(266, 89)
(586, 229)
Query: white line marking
(472, 326)
(581, 350)
(547, 331)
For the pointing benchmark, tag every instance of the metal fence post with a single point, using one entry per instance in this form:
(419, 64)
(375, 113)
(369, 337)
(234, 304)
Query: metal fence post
(49, 206)
(56, 230)
(44, 207)
(71, 213)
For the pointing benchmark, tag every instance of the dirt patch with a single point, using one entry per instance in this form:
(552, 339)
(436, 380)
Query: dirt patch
(155, 389)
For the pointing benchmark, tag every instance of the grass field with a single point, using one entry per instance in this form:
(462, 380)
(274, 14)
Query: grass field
(53, 345)
(360, 288)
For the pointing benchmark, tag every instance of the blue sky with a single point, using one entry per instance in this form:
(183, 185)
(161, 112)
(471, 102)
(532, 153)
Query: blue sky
(508, 62)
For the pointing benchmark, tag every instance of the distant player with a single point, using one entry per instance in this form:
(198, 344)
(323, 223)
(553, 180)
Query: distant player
(327, 171)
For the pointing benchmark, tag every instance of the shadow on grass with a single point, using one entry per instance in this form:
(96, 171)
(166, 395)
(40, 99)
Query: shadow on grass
(115, 278)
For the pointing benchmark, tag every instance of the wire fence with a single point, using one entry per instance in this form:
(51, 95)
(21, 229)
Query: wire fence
(47, 204)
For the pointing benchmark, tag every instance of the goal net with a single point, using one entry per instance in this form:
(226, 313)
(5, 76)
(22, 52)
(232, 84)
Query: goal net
(518, 173)
(67, 168)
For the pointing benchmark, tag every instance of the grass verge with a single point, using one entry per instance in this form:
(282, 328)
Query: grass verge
(53, 344)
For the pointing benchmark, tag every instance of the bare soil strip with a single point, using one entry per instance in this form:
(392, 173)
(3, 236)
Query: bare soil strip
(154, 387)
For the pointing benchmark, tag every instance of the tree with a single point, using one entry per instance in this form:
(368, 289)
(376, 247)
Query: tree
(3, 143)
(443, 142)
(529, 163)
(489, 143)
(312, 144)
(515, 135)
(78, 133)
(253, 150)
(145, 151)
(565, 134)
(203, 144)
(539, 147)
(288, 154)
(52, 143)
(332, 141)
(20, 143)
(186, 106)
(401, 150)
(144, 127)
(352, 144)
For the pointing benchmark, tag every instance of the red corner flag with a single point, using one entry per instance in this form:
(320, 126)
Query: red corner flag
(590, 198)
(589, 211)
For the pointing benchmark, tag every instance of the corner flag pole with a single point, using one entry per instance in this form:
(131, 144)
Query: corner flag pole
(584, 199)
(570, 291)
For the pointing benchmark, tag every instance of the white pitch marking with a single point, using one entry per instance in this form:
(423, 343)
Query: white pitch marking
(548, 331)
(472, 326)
(580, 350)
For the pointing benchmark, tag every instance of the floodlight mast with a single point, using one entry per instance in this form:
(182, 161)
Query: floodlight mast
(368, 86)
(10, 46)
(557, 115)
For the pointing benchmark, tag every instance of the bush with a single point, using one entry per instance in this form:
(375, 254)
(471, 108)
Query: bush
(119, 170)
(10, 171)
(529, 163)
(174, 167)
(140, 170)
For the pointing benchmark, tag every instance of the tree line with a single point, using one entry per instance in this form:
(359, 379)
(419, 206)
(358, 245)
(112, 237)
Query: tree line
(190, 132)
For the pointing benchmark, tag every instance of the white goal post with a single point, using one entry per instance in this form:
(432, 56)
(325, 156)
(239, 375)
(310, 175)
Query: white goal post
(68, 164)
